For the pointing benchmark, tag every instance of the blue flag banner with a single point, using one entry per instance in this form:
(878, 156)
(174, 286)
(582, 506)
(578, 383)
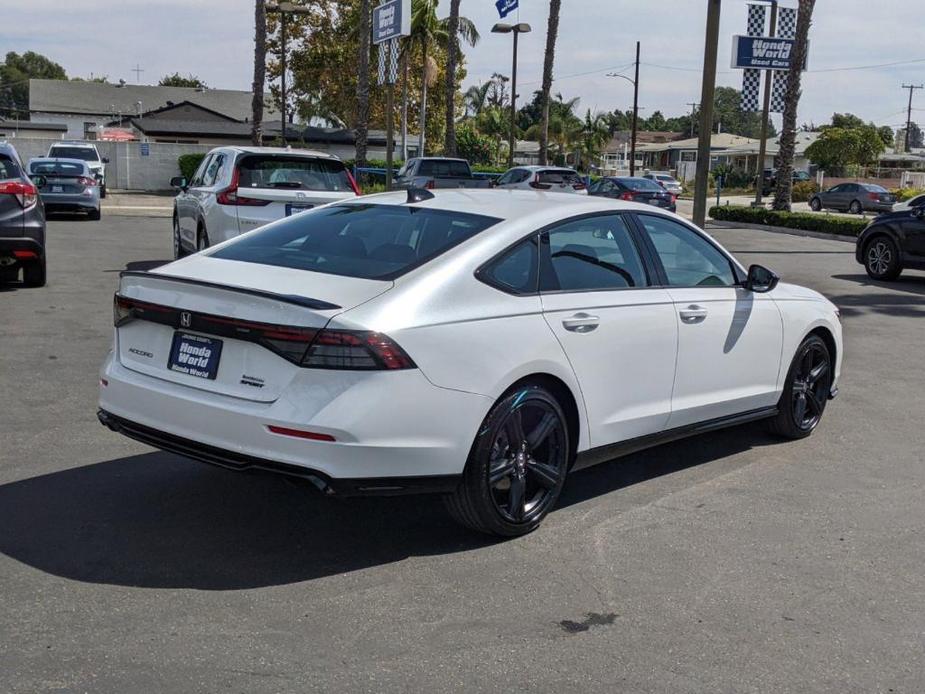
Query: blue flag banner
(505, 7)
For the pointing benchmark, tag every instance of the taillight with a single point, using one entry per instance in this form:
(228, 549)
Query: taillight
(84, 181)
(352, 349)
(579, 186)
(26, 194)
(230, 196)
(873, 196)
(535, 183)
(353, 183)
(431, 184)
(627, 195)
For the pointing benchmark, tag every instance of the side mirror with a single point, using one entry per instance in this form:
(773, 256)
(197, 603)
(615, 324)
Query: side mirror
(39, 180)
(105, 160)
(760, 279)
(179, 182)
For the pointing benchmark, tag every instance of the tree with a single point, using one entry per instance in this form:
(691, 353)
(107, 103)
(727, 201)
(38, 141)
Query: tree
(552, 34)
(916, 138)
(475, 98)
(473, 145)
(15, 73)
(887, 135)
(844, 120)
(260, 71)
(838, 148)
(362, 105)
(178, 80)
(787, 146)
(594, 136)
(452, 53)
(729, 115)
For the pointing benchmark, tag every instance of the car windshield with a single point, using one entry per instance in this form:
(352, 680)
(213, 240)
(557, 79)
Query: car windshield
(444, 168)
(874, 188)
(298, 173)
(561, 177)
(85, 153)
(641, 184)
(59, 168)
(365, 241)
(665, 178)
(8, 168)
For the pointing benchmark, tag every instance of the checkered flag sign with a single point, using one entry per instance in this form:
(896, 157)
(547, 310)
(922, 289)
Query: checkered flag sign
(786, 29)
(383, 49)
(751, 79)
(388, 62)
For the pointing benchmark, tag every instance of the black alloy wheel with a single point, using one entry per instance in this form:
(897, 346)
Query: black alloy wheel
(517, 465)
(881, 259)
(806, 391)
(815, 205)
(855, 207)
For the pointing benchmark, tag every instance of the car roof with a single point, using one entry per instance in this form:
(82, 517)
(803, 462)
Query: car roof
(68, 143)
(279, 150)
(537, 167)
(506, 204)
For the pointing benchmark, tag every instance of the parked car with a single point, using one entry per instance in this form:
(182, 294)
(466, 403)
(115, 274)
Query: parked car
(769, 179)
(634, 189)
(666, 181)
(468, 343)
(891, 243)
(86, 151)
(238, 189)
(555, 179)
(438, 172)
(22, 222)
(910, 204)
(855, 198)
(67, 185)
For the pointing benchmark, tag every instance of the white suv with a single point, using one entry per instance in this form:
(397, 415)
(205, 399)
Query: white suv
(238, 189)
(554, 179)
(88, 153)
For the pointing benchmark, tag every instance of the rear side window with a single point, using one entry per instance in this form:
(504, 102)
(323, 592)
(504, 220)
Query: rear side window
(8, 168)
(296, 173)
(642, 184)
(593, 253)
(515, 270)
(444, 168)
(366, 241)
(567, 177)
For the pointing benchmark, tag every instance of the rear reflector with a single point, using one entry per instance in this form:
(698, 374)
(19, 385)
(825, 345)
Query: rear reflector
(299, 434)
(25, 255)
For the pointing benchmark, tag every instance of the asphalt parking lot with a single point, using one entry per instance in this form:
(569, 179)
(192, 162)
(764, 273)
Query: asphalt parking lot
(726, 563)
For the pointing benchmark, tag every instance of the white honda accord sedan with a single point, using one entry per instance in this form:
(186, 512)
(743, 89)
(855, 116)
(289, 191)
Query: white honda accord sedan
(478, 344)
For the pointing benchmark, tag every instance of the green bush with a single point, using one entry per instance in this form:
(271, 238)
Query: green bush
(903, 194)
(803, 191)
(188, 164)
(807, 221)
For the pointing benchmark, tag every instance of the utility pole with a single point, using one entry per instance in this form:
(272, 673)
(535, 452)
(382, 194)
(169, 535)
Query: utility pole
(765, 112)
(138, 70)
(284, 9)
(707, 92)
(693, 105)
(635, 115)
(911, 88)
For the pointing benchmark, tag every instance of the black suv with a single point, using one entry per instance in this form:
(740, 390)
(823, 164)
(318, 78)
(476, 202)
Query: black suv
(892, 243)
(22, 222)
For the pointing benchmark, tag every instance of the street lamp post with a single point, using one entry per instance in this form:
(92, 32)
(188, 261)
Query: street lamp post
(284, 9)
(635, 83)
(516, 29)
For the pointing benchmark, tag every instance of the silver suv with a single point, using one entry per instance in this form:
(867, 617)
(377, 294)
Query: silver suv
(88, 153)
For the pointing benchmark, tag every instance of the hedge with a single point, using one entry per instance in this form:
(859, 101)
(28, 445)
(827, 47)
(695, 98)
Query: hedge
(807, 221)
(188, 164)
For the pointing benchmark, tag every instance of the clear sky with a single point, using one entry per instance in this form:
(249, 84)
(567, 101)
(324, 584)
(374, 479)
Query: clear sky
(214, 40)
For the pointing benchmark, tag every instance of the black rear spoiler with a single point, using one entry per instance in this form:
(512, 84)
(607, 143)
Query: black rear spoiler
(304, 301)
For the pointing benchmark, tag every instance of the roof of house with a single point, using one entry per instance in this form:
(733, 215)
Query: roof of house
(717, 141)
(643, 137)
(234, 129)
(803, 140)
(99, 98)
(31, 125)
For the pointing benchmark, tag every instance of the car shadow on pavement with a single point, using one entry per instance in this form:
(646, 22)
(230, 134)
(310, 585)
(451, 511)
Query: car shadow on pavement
(159, 521)
(903, 298)
(904, 283)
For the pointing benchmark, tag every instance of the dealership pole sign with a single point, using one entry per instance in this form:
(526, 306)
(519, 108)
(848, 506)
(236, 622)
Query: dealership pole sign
(391, 21)
(756, 54)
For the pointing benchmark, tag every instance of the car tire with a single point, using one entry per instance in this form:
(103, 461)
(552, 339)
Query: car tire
(103, 191)
(202, 239)
(517, 465)
(178, 250)
(815, 205)
(94, 215)
(33, 274)
(856, 207)
(881, 259)
(806, 390)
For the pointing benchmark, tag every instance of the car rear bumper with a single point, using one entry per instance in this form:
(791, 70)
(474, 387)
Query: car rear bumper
(19, 249)
(70, 203)
(386, 425)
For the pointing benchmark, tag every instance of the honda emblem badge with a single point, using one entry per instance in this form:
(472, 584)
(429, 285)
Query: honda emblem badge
(185, 319)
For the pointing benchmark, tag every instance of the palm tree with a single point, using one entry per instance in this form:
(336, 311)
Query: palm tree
(552, 33)
(563, 129)
(476, 98)
(362, 112)
(260, 71)
(452, 54)
(427, 30)
(783, 194)
(595, 134)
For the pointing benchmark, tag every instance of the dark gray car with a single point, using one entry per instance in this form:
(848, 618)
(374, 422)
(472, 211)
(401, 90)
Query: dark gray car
(853, 197)
(22, 222)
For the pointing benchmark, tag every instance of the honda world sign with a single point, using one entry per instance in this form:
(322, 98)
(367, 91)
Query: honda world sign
(391, 20)
(759, 53)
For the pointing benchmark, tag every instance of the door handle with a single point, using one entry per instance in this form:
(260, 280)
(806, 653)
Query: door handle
(581, 323)
(693, 314)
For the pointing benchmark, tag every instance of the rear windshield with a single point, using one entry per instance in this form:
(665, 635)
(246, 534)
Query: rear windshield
(85, 153)
(874, 188)
(444, 169)
(366, 241)
(640, 184)
(8, 168)
(296, 173)
(665, 178)
(61, 168)
(567, 177)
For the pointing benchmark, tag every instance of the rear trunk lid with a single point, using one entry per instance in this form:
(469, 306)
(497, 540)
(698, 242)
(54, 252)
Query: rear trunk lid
(190, 325)
(59, 184)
